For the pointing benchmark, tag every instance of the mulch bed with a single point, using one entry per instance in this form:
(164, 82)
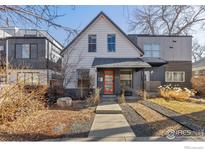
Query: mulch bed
(182, 119)
(136, 122)
(49, 124)
(155, 123)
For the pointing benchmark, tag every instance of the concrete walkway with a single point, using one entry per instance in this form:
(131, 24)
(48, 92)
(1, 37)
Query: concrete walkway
(109, 124)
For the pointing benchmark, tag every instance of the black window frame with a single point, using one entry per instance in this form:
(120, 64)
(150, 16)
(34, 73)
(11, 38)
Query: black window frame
(29, 50)
(90, 44)
(108, 43)
(36, 50)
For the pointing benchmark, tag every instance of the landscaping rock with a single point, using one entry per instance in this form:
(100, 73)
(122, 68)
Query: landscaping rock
(64, 102)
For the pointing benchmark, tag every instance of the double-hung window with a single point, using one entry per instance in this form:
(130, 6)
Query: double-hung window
(111, 42)
(174, 76)
(151, 50)
(92, 43)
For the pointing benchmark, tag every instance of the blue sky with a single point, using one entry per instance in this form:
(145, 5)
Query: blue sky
(82, 15)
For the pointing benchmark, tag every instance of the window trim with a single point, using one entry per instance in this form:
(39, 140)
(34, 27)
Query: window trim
(151, 44)
(29, 50)
(166, 79)
(92, 43)
(111, 43)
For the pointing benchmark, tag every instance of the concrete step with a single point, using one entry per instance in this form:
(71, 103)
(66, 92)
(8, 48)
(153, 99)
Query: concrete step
(109, 98)
(108, 108)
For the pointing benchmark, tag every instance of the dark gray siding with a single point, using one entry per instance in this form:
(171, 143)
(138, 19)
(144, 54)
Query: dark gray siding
(158, 73)
(38, 63)
(185, 66)
(2, 53)
(41, 62)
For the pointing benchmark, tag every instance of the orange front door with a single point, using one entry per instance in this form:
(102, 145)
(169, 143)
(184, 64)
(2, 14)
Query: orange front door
(108, 82)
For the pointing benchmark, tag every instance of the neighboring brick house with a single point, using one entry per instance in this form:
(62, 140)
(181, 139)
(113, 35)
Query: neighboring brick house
(30, 56)
(116, 60)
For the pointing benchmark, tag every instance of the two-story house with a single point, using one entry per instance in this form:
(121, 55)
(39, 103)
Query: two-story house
(117, 61)
(29, 56)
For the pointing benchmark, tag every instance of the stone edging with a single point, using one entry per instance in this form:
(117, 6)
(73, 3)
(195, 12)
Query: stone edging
(182, 119)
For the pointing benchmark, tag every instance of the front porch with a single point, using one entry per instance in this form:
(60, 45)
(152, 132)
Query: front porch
(128, 74)
(112, 81)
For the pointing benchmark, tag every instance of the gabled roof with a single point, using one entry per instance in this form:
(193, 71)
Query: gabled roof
(103, 14)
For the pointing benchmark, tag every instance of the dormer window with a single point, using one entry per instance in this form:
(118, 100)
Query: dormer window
(111, 41)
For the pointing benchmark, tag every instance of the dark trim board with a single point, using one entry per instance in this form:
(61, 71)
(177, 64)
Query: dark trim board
(151, 35)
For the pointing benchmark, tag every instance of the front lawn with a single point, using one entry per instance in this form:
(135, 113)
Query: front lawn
(47, 124)
(190, 109)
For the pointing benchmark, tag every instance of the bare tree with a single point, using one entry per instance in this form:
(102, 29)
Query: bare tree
(171, 20)
(33, 15)
(198, 51)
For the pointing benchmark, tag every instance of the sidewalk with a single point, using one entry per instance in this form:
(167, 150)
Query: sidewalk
(110, 124)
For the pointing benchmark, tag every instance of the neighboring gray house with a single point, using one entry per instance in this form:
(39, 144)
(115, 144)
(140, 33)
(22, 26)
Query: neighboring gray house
(116, 61)
(30, 56)
(198, 67)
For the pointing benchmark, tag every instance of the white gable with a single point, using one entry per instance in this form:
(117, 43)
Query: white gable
(101, 27)
(78, 50)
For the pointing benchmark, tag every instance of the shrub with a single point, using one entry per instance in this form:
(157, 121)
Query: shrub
(17, 100)
(143, 94)
(175, 93)
(122, 97)
(198, 84)
(94, 99)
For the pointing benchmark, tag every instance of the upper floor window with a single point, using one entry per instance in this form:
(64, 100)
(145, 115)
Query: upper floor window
(1, 48)
(26, 51)
(111, 42)
(174, 76)
(92, 43)
(152, 50)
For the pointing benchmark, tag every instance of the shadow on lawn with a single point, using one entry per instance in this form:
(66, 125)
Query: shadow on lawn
(140, 127)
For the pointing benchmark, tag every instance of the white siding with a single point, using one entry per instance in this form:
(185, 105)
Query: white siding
(78, 51)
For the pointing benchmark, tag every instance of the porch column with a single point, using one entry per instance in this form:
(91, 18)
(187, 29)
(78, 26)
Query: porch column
(143, 84)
